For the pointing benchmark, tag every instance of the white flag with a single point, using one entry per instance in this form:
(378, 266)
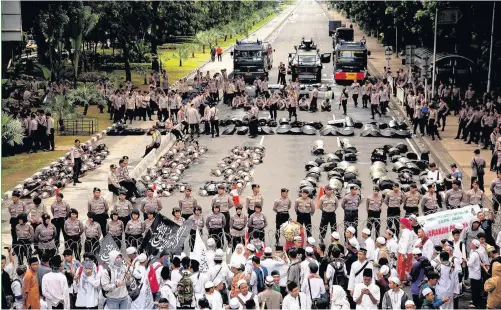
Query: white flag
(200, 252)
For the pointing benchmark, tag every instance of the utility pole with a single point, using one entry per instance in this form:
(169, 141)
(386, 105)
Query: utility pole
(490, 52)
(434, 55)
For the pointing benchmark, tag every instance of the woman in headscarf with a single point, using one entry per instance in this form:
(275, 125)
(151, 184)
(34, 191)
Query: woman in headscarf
(338, 298)
(88, 285)
(404, 250)
(238, 257)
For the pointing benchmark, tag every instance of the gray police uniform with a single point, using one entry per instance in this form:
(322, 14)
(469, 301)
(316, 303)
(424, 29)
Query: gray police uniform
(328, 205)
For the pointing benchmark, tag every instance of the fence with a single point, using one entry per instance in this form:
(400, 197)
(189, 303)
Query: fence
(80, 126)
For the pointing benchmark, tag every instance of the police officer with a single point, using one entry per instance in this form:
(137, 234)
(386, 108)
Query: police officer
(187, 204)
(281, 206)
(433, 123)
(292, 106)
(60, 211)
(92, 233)
(123, 207)
(25, 236)
(496, 191)
(431, 200)
(238, 223)
(253, 121)
(314, 98)
(16, 207)
(355, 91)
(411, 201)
(253, 199)
(474, 126)
(350, 204)
(76, 160)
(305, 208)
(373, 205)
(475, 196)
(45, 236)
(225, 203)
(257, 222)
(394, 201)
(328, 204)
(115, 228)
(150, 204)
(99, 206)
(454, 197)
(198, 224)
(73, 229)
(134, 230)
(215, 223)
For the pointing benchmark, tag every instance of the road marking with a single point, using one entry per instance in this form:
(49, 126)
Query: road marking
(334, 117)
(262, 140)
(338, 142)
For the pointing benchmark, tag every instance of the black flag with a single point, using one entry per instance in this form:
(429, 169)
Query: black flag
(107, 245)
(165, 234)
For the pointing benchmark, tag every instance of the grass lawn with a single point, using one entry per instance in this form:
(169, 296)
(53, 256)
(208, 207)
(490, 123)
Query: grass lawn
(19, 167)
(171, 64)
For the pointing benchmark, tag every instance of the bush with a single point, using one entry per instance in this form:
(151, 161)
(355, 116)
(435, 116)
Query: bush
(92, 77)
(12, 130)
(121, 66)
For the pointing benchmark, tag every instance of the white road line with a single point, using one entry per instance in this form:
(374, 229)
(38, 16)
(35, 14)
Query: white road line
(262, 140)
(334, 117)
(338, 142)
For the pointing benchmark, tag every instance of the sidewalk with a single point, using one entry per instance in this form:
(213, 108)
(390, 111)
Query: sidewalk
(443, 152)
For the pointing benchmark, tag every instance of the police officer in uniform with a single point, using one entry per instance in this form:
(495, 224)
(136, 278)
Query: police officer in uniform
(150, 204)
(431, 200)
(238, 223)
(257, 222)
(198, 224)
(25, 235)
(253, 121)
(433, 123)
(314, 98)
(123, 207)
(281, 206)
(92, 233)
(215, 223)
(253, 198)
(454, 197)
(305, 208)
(394, 201)
(73, 229)
(225, 203)
(411, 201)
(187, 204)
(60, 211)
(115, 228)
(373, 204)
(475, 196)
(99, 206)
(328, 204)
(45, 236)
(350, 204)
(134, 230)
(496, 191)
(76, 160)
(463, 120)
(16, 207)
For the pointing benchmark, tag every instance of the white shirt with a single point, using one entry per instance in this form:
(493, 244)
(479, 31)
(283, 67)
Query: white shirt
(305, 269)
(403, 243)
(395, 298)
(175, 276)
(88, 292)
(247, 297)
(434, 176)
(474, 265)
(331, 271)
(17, 289)
(272, 264)
(219, 271)
(355, 268)
(370, 246)
(366, 303)
(215, 300)
(448, 284)
(317, 288)
(428, 248)
(55, 289)
(198, 279)
(392, 245)
(296, 303)
(167, 293)
(459, 250)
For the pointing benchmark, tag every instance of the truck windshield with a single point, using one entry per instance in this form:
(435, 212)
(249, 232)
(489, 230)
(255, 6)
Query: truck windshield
(351, 54)
(307, 58)
(345, 34)
(248, 54)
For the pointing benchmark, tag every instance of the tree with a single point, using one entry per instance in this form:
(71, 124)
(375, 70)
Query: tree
(60, 107)
(192, 48)
(203, 38)
(182, 53)
(12, 130)
(84, 20)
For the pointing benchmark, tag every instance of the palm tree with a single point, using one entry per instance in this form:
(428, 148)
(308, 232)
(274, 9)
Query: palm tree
(203, 38)
(192, 48)
(182, 53)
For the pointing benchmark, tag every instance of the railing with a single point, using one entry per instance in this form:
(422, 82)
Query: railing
(80, 126)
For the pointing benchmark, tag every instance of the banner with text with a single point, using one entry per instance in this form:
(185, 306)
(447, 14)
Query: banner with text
(439, 226)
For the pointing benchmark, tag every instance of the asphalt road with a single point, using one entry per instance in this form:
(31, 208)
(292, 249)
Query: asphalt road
(286, 155)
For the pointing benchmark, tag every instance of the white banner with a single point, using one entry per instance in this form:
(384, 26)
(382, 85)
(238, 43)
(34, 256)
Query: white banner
(438, 226)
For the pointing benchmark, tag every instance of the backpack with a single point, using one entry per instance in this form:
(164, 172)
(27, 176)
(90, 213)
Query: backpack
(261, 275)
(339, 278)
(152, 277)
(185, 289)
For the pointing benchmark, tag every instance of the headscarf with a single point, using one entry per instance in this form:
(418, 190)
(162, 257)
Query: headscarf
(406, 223)
(84, 278)
(238, 259)
(338, 297)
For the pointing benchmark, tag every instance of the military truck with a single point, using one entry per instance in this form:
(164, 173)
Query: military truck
(306, 62)
(252, 59)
